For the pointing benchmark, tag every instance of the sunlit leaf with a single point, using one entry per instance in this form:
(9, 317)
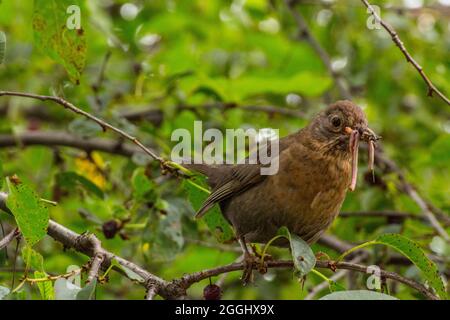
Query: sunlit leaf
(33, 259)
(30, 212)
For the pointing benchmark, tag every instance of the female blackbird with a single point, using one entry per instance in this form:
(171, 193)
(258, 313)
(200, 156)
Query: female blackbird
(317, 165)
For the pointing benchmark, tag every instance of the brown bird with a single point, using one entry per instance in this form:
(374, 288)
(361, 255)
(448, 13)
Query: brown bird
(317, 165)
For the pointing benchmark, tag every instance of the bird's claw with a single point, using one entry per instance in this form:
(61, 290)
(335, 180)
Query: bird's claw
(249, 262)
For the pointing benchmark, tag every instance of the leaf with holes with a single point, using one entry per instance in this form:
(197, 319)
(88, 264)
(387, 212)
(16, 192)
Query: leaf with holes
(30, 212)
(302, 255)
(357, 295)
(58, 33)
(413, 252)
(197, 192)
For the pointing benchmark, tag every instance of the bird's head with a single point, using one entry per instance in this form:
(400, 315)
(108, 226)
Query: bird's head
(338, 130)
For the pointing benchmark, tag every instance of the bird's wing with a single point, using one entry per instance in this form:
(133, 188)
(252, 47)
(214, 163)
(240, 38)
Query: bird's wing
(238, 179)
(230, 180)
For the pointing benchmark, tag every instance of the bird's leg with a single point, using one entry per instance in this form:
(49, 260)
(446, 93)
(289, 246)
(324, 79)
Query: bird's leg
(248, 261)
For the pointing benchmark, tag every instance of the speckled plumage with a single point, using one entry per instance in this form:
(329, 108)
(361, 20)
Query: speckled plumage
(307, 192)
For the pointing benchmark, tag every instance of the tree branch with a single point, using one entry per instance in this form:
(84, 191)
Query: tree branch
(9, 237)
(398, 42)
(60, 138)
(192, 278)
(89, 245)
(103, 124)
(335, 277)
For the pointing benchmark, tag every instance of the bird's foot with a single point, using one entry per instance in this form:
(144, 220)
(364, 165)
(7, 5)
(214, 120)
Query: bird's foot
(249, 262)
(261, 258)
(260, 254)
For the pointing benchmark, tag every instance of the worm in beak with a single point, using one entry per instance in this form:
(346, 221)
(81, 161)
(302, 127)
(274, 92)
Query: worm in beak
(367, 135)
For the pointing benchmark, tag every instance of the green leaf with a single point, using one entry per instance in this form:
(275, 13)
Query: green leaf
(302, 255)
(3, 292)
(45, 287)
(413, 252)
(33, 259)
(143, 187)
(130, 273)
(71, 179)
(30, 212)
(357, 295)
(88, 292)
(53, 36)
(164, 231)
(197, 192)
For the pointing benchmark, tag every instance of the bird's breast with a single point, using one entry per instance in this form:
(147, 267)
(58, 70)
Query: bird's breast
(314, 190)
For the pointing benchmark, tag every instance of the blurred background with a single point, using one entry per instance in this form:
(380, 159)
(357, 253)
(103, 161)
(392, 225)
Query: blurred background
(150, 67)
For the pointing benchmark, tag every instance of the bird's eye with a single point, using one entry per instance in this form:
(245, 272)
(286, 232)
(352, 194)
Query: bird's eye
(336, 121)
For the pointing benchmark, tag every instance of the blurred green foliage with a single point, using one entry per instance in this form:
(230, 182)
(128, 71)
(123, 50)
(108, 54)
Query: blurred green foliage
(166, 54)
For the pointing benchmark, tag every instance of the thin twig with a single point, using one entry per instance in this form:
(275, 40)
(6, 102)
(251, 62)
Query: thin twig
(9, 238)
(192, 278)
(97, 259)
(89, 116)
(399, 43)
(151, 293)
(61, 138)
(335, 277)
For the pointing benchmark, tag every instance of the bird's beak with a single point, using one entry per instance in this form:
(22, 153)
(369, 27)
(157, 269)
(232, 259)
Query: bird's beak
(368, 135)
(365, 134)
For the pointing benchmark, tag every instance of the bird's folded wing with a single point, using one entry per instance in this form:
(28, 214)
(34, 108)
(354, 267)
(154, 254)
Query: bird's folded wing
(240, 179)
(230, 180)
